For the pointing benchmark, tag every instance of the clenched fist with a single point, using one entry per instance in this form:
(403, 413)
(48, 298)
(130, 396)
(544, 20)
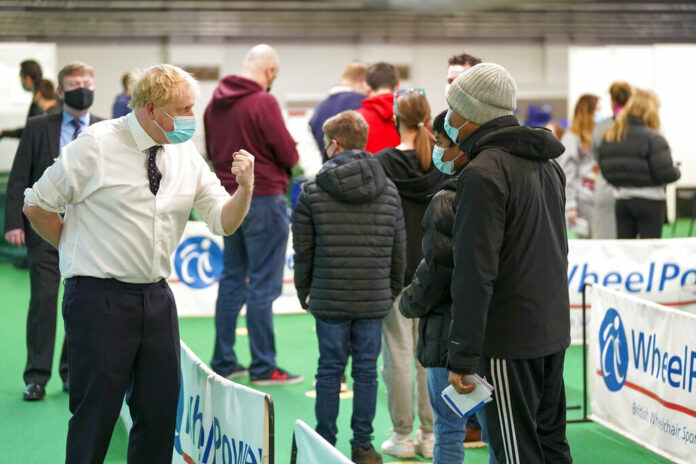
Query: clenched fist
(243, 169)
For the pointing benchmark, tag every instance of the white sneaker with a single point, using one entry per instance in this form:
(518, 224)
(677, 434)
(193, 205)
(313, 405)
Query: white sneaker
(400, 446)
(424, 444)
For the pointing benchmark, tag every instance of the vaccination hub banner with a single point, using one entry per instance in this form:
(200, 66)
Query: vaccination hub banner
(642, 370)
(313, 449)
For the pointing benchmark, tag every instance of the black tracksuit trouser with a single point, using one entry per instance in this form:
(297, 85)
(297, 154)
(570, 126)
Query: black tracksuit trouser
(526, 421)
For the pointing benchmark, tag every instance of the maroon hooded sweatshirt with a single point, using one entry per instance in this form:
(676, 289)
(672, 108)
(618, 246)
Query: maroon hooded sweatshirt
(242, 115)
(378, 111)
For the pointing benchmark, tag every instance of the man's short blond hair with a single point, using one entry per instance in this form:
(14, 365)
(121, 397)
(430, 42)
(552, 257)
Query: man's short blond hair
(355, 72)
(349, 129)
(161, 84)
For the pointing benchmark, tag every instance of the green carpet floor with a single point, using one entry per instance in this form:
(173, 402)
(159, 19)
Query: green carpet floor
(34, 433)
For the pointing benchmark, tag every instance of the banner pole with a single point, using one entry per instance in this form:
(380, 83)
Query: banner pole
(271, 429)
(293, 450)
(584, 361)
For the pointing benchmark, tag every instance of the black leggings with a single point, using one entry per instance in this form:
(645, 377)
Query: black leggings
(639, 217)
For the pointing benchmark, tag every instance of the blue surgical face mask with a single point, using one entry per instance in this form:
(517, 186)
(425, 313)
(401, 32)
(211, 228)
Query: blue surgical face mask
(598, 117)
(452, 132)
(184, 128)
(446, 167)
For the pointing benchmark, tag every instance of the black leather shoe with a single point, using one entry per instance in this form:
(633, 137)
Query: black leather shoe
(34, 392)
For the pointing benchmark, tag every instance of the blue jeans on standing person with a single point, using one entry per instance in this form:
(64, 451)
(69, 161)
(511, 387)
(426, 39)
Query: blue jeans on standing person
(449, 429)
(364, 337)
(256, 251)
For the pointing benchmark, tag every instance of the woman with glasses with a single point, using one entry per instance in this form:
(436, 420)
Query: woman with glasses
(409, 166)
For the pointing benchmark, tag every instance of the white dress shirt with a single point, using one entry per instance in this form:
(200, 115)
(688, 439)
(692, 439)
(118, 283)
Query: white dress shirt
(114, 227)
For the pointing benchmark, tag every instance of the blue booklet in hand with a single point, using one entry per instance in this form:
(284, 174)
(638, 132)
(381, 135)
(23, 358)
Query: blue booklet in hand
(466, 405)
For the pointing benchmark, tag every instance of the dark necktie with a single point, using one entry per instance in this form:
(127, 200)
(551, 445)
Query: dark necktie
(78, 127)
(153, 174)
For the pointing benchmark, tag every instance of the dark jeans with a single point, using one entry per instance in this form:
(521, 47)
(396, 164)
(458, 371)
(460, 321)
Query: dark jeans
(639, 217)
(44, 277)
(364, 336)
(256, 251)
(123, 339)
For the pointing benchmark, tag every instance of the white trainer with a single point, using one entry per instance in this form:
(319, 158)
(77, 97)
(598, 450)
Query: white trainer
(400, 446)
(424, 444)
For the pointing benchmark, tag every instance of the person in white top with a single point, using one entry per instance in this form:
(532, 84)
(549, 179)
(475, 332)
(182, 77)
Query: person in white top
(127, 187)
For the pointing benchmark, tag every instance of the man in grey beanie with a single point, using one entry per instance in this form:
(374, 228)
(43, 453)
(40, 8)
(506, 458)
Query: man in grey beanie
(510, 317)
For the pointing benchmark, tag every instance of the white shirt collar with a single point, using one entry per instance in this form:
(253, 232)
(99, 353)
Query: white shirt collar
(142, 139)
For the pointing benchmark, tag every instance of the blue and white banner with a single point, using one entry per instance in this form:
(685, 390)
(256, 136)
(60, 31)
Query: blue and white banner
(218, 421)
(196, 269)
(313, 449)
(642, 370)
(662, 271)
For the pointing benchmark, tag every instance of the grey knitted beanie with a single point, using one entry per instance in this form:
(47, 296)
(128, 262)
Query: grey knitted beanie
(482, 93)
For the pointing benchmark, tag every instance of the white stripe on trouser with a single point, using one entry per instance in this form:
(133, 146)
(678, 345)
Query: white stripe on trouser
(505, 416)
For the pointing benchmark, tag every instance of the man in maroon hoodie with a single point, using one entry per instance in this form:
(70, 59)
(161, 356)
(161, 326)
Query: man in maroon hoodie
(378, 107)
(242, 114)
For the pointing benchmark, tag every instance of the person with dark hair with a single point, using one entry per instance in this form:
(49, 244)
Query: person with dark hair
(121, 107)
(30, 75)
(510, 320)
(604, 214)
(636, 159)
(347, 95)
(378, 107)
(409, 165)
(348, 220)
(579, 166)
(42, 141)
(46, 97)
(457, 64)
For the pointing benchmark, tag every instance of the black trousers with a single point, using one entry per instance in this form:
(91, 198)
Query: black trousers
(44, 278)
(526, 421)
(123, 339)
(640, 217)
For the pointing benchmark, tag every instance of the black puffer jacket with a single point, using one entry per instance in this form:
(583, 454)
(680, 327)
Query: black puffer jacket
(349, 239)
(415, 188)
(428, 295)
(640, 159)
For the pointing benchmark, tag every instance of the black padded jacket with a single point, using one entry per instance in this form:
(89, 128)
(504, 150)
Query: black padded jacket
(641, 158)
(349, 239)
(428, 295)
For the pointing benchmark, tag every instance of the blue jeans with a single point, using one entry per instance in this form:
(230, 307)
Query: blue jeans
(364, 337)
(449, 429)
(256, 251)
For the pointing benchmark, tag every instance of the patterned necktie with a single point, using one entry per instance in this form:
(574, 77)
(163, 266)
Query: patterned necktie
(153, 174)
(78, 127)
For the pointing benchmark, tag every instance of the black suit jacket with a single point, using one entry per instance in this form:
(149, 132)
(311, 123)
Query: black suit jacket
(38, 147)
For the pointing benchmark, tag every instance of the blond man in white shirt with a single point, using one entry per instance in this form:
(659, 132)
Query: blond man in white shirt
(127, 187)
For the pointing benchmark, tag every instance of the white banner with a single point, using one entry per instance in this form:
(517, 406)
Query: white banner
(218, 421)
(662, 271)
(196, 269)
(313, 449)
(642, 371)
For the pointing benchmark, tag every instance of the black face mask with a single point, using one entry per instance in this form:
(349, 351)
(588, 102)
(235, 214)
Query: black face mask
(80, 98)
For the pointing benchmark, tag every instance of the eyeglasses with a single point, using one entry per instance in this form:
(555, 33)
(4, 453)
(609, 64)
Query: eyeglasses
(398, 93)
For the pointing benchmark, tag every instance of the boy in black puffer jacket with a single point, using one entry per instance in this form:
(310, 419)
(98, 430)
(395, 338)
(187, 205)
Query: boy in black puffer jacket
(349, 240)
(428, 298)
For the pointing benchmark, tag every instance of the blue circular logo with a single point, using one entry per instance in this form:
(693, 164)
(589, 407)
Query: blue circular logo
(614, 350)
(198, 262)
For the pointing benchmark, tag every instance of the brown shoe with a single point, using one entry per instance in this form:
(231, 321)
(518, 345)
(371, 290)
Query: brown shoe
(365, 455)
(473, 438)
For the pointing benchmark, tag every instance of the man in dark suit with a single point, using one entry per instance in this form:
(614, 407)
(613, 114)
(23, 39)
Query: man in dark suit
(42, 140)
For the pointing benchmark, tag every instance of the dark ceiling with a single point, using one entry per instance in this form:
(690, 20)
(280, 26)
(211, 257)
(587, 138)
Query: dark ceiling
(423, 20)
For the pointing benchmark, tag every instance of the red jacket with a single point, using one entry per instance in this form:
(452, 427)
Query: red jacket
(378, 111)
(243, 115)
